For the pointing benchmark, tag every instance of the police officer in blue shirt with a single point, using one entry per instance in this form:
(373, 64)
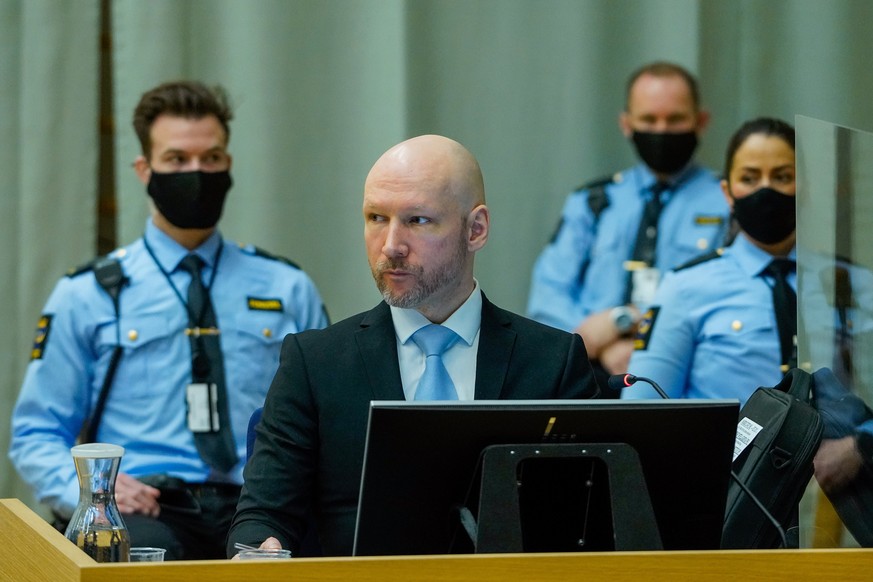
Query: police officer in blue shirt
(180, 386)
(725, 324)
(617, 235)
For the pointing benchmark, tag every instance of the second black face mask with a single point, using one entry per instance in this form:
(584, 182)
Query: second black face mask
(766, 215)
(665, 153)
(190, 199)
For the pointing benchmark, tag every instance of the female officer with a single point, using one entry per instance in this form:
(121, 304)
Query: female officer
(714, 330)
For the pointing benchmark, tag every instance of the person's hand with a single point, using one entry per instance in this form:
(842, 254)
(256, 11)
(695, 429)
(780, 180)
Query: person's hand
(270, 543)
(836, 463)
(598, 331)
(133, 496)
(615, 358)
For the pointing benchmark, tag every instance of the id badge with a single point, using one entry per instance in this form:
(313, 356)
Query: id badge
(644, 284)
(202, 407)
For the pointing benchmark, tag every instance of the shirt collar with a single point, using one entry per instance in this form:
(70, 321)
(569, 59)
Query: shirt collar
(752, 259)
(647, 178)
(169, 253)
(465, 321)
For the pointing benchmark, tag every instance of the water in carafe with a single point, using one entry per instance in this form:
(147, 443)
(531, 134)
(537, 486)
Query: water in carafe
(96, 526)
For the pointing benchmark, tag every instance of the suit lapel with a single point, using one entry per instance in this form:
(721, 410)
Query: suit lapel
(496, 341)
(377, 344)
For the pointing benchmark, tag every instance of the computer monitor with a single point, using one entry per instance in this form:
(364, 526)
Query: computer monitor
(422, 463)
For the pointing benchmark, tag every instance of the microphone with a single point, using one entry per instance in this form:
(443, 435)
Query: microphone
(621, 381)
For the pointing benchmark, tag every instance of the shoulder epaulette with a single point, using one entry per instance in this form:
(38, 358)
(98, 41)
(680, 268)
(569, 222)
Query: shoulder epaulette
(597, 197)
(599, 182)
(259, 252)
(700, 259)
(84, 268)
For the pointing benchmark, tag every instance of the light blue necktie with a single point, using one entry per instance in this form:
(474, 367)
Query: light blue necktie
(435, 383)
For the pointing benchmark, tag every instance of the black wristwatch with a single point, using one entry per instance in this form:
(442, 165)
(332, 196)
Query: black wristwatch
(623, 318)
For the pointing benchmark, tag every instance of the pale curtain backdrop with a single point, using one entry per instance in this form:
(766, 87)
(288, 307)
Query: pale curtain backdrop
(322, 87)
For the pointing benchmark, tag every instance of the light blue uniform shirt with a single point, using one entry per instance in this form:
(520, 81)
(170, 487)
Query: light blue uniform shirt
(714, 333)
(582, 270)
(257, 301)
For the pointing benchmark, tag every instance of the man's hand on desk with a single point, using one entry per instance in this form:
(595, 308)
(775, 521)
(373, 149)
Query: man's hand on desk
(270, 543)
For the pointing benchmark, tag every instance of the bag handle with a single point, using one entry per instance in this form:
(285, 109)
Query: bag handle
(797, 383)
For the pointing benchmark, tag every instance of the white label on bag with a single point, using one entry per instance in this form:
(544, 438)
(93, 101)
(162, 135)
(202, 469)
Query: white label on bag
(747, 430)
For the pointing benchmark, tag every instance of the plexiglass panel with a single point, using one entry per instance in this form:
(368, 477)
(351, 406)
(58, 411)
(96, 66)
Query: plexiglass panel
(835, 251)
(835, 307)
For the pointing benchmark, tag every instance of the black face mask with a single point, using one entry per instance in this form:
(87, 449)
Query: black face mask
(665, 153)
(190, 199)
(766, 215)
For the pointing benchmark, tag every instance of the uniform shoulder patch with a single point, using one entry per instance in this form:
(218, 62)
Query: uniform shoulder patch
(706, 257)
(259, 252)
(644, 329)
(43, 327)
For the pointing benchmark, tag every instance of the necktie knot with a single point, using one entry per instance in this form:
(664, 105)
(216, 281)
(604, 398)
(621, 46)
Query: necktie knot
(434, 339)
(658, 188)
(192, 263)
(780, 268)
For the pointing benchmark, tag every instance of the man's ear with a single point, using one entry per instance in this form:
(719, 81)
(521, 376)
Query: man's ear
(702, 120)
(478, 225)
(624, 124)
(143, 169)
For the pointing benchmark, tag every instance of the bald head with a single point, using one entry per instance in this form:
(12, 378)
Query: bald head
(441, 164)
(424, 219)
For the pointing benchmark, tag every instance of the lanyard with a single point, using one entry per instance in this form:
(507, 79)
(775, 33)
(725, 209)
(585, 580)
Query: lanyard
(170, 280)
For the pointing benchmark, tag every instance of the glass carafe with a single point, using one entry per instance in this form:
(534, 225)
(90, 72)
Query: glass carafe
(96, 526)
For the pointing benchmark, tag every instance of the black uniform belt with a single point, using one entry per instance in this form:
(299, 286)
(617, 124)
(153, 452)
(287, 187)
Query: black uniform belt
(212, 488)
(181, 495)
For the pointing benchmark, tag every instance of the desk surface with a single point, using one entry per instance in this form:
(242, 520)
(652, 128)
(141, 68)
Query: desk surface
(31, 550)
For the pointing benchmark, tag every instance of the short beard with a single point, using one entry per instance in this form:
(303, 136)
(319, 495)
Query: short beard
(428, 284)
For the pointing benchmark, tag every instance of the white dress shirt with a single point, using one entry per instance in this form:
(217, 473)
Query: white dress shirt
(460, 359)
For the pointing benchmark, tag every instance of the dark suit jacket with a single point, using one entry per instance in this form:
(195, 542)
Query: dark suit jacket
(310, 443)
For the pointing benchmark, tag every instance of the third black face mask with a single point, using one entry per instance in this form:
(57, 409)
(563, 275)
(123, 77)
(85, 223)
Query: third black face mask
(190, 199)
(766, 215)
(665, 153)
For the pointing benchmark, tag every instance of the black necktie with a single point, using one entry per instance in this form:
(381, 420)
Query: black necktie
(785, 306)
(217, 448)
(647, 234)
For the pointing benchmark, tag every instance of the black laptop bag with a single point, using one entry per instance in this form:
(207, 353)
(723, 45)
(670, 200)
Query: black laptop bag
(776, 466)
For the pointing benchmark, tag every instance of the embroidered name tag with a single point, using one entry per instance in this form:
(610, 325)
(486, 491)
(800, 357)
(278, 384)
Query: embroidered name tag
(706, 220)
(264, 304)
(42, 332)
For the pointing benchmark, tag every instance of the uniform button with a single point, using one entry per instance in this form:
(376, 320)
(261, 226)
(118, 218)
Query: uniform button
(132, 335)
(268, 332)
(737, 325)
(120, 253)
(702, 243)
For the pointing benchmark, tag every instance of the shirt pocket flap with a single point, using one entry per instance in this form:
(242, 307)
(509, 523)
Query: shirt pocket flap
(734, 322)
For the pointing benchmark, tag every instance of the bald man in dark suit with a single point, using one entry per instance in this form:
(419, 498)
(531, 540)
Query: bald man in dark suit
(425, 218)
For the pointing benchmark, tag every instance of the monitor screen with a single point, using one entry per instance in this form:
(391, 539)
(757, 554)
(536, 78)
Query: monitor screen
(422, 460)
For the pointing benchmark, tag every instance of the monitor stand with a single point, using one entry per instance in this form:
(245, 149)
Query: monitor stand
(557, 498)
